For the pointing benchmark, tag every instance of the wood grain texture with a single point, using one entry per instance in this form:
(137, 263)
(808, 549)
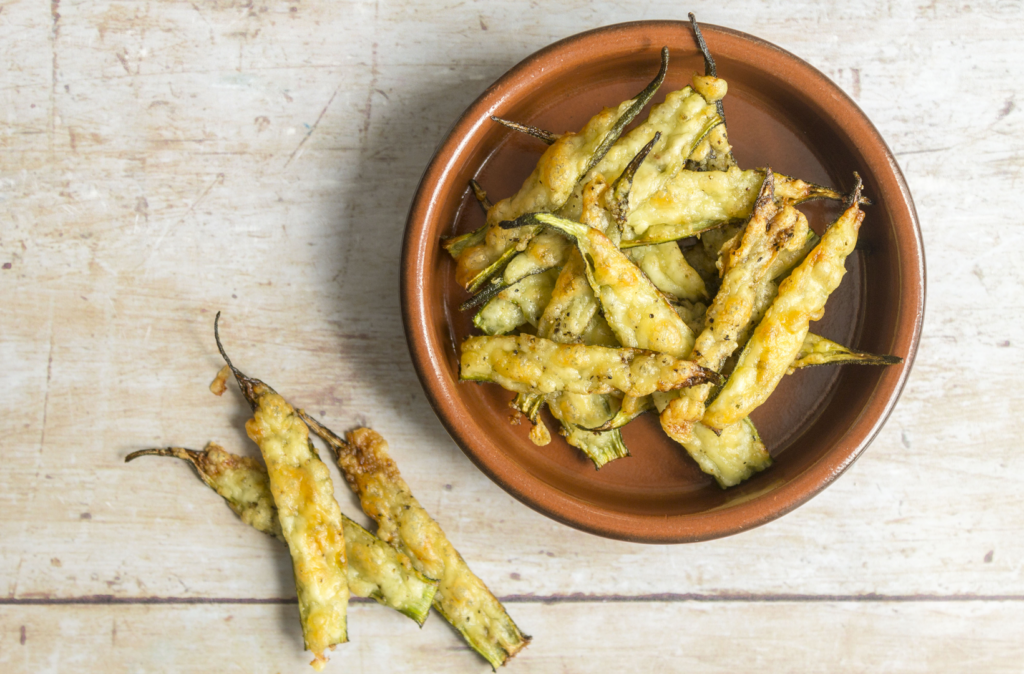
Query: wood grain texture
(160, 161)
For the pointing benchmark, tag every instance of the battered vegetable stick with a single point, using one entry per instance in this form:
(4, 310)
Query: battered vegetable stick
(716, 154)
(694, 201)
(778, 338)
(462, 598)
(636, 310)
(551, 183)
(521, 302)
(310, 517)
(669, 271)
(566, 319)
(815, 351)
(736, 454)
(746, 268)
(528, 364)
(375, 569)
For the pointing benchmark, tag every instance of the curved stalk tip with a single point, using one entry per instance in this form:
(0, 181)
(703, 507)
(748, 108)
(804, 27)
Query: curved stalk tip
(247, 384)
(709, 60)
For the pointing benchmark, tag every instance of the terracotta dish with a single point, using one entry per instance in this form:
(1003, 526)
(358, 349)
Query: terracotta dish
(781, 112)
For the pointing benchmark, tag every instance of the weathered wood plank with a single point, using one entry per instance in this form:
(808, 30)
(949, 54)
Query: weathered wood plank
(687, 636)
(161, 161)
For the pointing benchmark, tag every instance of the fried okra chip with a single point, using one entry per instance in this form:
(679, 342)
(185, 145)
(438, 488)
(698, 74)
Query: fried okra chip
(695, 201)
(779, 336)
(462, 598)
(528, 364)
(736, 454)
(311, 520)
(746, 268)
(637, 312)
(375, 569)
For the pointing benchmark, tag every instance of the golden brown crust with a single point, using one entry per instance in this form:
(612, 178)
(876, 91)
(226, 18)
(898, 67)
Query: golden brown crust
(220, 383)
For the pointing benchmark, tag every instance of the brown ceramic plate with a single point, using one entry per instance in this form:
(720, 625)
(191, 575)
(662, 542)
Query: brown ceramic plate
(781, 112)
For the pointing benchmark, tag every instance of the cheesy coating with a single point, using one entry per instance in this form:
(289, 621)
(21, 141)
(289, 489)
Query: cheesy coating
(669, 271)
(638, 313)
(546, 189)
(310, 519)
(462, 598)
(528, 364)
(545, 251)
(572, 305)
(694, 201)
(521, 303)
(558, 180)
(780, 335)
(682, 119)
(731, 457)
(746, 268)
(375, 569)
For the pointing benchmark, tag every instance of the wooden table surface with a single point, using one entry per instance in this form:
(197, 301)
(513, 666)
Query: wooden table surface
(160, 161)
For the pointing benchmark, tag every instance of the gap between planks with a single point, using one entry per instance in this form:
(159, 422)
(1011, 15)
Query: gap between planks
(552, 599)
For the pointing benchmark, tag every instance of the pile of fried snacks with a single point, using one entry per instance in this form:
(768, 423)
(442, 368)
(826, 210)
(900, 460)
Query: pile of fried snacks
(645, 270)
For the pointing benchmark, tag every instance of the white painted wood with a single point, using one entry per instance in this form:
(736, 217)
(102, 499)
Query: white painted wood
(636, 637)
(161, 161)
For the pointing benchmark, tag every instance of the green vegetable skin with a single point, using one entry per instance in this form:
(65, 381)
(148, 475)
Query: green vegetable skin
(462, 598)
(528, 364)
(375, 569)
(778, 338)
(817, 350)
(310, 517)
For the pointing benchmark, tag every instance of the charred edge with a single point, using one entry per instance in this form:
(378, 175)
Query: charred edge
(193, 457)
(327, 435)
(706, 376)
(247, 384)
(817, 192)
(625, 180)
(480, 194)
(521, 221)
(855, 194)
(189, 455)
(709, 60)
(483, 296)
(855, 358)
(649, 90)
(540, 134)
(767, 193)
